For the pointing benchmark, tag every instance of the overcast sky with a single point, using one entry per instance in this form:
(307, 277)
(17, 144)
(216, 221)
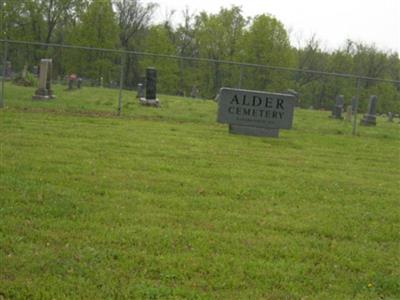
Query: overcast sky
(333, 21)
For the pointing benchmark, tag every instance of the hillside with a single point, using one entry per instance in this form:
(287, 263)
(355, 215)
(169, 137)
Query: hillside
(164, 203)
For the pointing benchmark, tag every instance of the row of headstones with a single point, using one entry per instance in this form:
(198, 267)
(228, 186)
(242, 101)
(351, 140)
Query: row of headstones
(369, 118)
(44, 86)
(8, 71)
(74, 80)
(45, 92)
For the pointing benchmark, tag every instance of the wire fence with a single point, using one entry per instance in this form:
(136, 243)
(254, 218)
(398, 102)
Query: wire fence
(190, 77)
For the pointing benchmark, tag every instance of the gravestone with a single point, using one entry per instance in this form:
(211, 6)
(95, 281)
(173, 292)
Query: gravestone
(390, 117)
(338, 108)
(35, 71)
(140, 91)
(151, 84)
(150, 98)
(349, 113)
(8, 70)
(44, 91)
(369, 118)
(71, 80)
(24, 71)
(255, 113)
(79, 83)
(295, 94)
(194, 92)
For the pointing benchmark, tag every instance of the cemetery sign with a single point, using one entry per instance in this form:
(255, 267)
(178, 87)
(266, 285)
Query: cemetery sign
(255, 111)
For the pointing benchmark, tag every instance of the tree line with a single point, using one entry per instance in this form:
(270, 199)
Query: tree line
(224, 36)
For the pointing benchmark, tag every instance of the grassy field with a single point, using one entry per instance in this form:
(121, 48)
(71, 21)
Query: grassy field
(164, 203)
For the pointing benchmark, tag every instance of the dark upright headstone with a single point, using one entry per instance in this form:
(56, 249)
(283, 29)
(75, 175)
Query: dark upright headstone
(338, 108)
(369, 118)
(150, 98)
(151, 84)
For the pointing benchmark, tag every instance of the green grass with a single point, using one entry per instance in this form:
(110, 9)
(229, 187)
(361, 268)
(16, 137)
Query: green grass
(164, 203)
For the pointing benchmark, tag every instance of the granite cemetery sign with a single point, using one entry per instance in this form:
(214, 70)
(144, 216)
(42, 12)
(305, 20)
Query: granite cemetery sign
(254, 112)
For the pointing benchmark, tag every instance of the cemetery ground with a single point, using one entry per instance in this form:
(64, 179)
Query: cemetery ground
(164, 203)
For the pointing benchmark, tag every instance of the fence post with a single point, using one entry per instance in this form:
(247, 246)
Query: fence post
(121, 82)
(3, 78)
(181, 79)
(356, 107)
(241, 76)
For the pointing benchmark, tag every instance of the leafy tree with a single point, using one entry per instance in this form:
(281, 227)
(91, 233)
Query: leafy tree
(133, 21)
(218, 37)
(267, 43)
(158, 40)
(310, 86)
(185, 44)
(98, 29)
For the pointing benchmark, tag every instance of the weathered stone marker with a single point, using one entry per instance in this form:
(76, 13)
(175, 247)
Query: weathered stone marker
(194, 92)
(369, 118)
(349, 113)
(338, 108)
(8, 70)
(44, 91)
(71, 80)
(140, 91)
(79, 83)
(255, 113)
(390, 117)
(151, 89)
(35, 71)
